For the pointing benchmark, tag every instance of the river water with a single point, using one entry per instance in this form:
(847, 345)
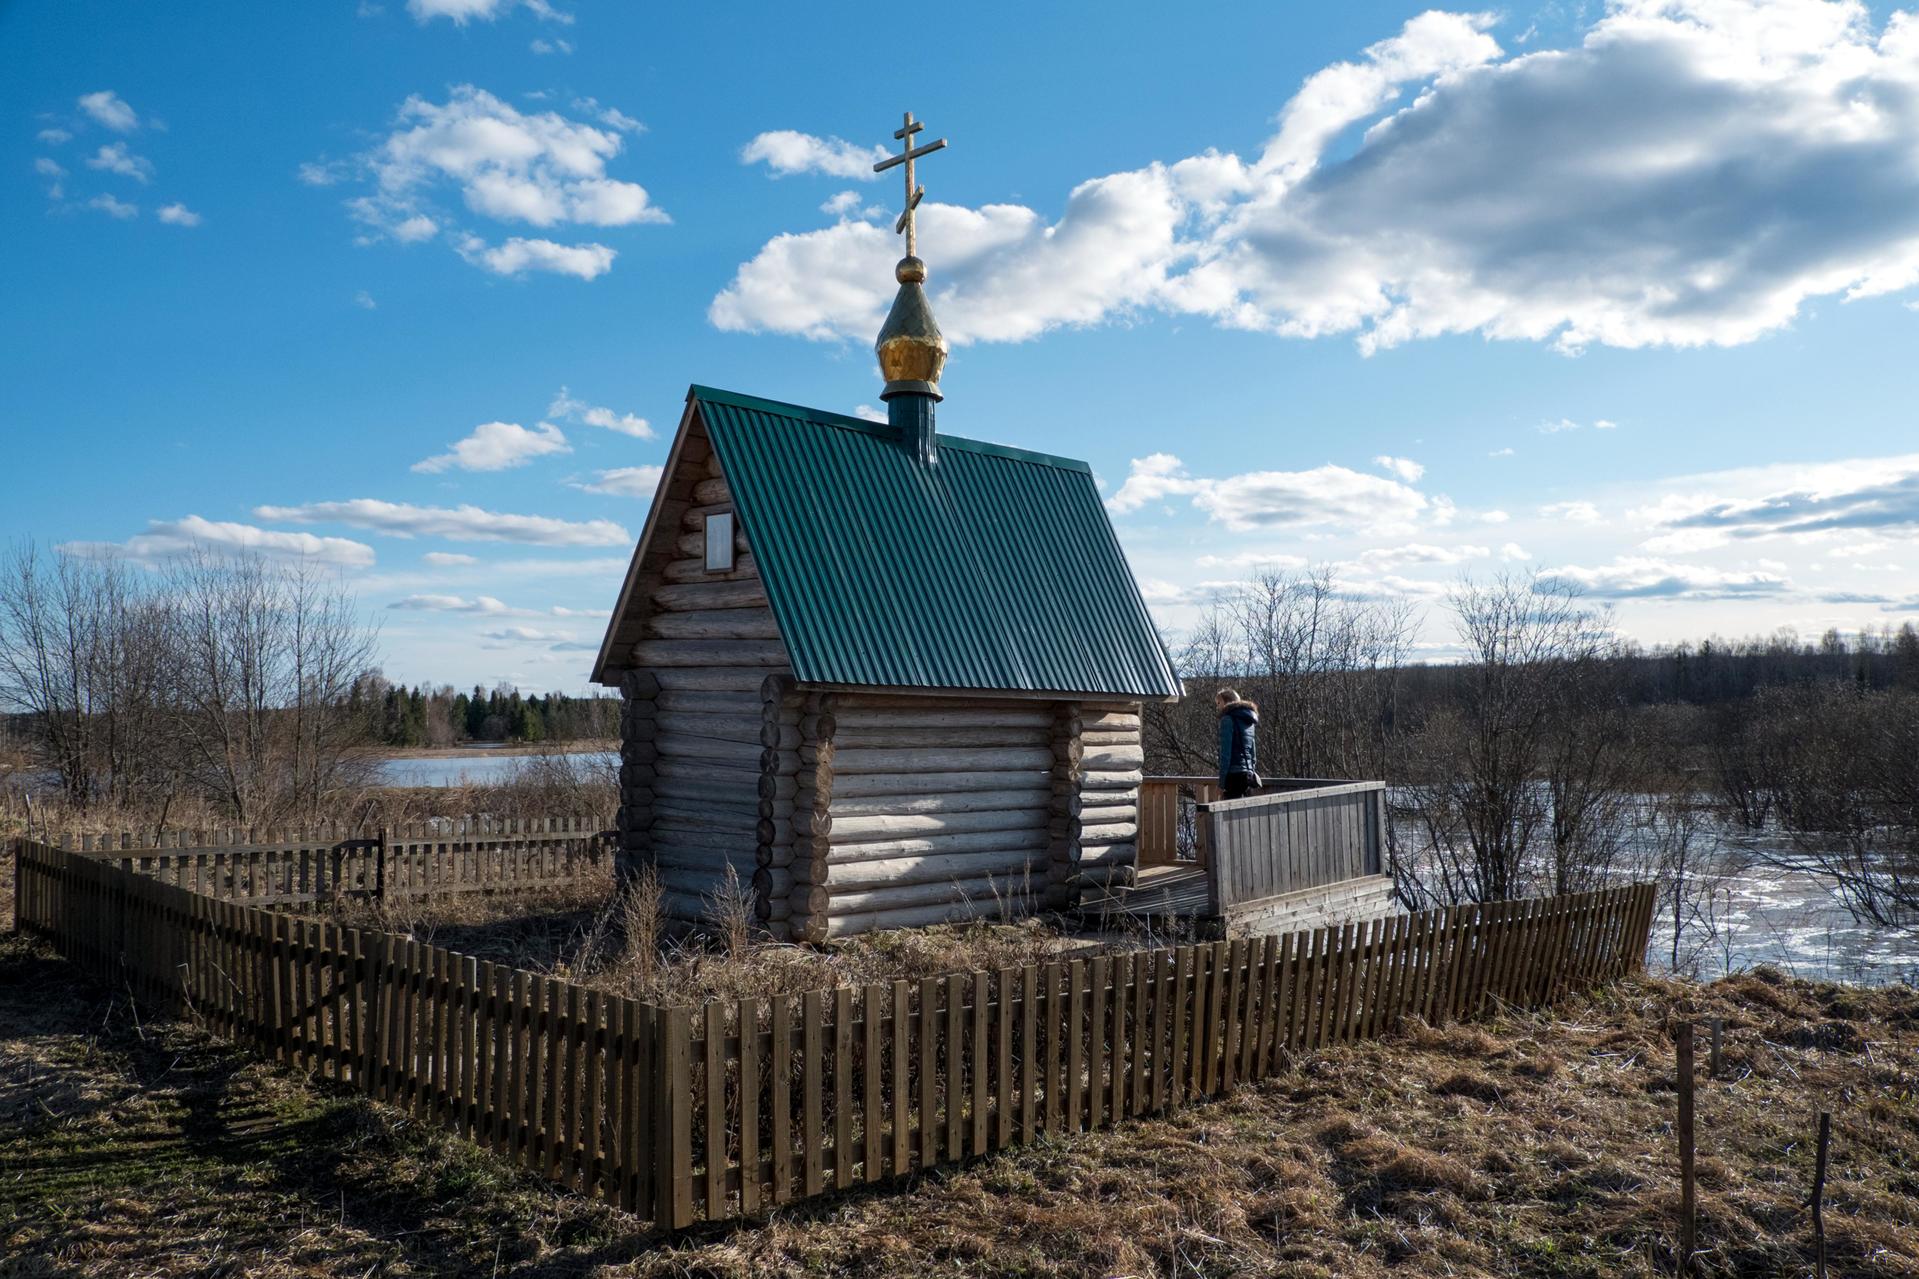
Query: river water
(479, 768)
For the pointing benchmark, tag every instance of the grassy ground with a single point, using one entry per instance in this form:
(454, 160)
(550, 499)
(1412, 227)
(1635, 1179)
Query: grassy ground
(1521, 1145)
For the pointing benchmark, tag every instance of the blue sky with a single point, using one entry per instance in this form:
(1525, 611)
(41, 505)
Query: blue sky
(1613, 294)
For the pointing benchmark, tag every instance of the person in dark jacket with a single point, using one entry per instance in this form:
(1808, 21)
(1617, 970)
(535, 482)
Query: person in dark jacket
(1238, 744)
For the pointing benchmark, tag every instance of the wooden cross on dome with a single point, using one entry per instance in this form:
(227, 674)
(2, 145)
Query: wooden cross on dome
(913, 193)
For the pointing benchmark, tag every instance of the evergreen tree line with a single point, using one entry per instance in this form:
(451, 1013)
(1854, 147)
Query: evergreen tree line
(397, 715)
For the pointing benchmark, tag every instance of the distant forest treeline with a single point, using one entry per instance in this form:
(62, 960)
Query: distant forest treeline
(443, 716)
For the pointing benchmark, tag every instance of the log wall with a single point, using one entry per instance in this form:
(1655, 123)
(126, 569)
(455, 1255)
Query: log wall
(693, 717)
(1106, 853)
(911, 810)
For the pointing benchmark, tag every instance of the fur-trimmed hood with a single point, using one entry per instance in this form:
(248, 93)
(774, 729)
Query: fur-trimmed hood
(1251, 708)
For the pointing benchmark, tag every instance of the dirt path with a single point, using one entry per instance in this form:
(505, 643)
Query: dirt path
(1526, 1146)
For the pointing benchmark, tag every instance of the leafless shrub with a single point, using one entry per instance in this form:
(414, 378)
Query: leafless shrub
(730, 911)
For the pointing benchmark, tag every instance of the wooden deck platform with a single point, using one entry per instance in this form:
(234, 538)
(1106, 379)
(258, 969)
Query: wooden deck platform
(1179, 889)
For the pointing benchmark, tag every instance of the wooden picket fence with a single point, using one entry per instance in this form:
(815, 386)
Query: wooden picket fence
(431, 859)
(681, 1114)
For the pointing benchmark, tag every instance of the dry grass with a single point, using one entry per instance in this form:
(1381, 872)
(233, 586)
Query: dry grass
(620, 943)
(130, 1149)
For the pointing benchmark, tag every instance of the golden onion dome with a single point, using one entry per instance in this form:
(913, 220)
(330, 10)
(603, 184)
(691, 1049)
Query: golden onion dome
(912, 351)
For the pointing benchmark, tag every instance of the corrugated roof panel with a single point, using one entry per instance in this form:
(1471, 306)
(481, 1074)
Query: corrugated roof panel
(995, 569)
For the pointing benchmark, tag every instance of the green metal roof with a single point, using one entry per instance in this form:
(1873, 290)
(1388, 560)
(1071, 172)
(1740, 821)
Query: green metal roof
(995, 569)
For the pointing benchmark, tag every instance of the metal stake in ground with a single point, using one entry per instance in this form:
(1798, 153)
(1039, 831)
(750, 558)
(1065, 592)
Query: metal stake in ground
(1688, 1226)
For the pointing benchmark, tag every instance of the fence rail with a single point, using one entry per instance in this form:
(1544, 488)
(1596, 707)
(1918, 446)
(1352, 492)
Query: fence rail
(685, 1114)
(290, 868)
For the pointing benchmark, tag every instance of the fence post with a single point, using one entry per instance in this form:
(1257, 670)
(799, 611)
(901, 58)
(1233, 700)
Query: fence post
(379, 864)
(673, 1129)
(1688, 1213)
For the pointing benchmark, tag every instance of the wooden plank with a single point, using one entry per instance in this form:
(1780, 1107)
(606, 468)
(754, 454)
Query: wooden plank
(1116, 1054)
(812, 1118)
(781, 1065)
(1142, 971)
(899, 1100)
(1100, 976)
(1176, 1074)
(1159, 1051)
(1279, 1036)
(1002, 1080)
(555, 1029)
(955, 1064)
(593, 1050)
(977, 1055)
(872, 1122)
(714, 1109)
(1054, 1055)
(674, 1175)
(928, 1026)
(1234, 1024)
(1028, 1052)
(843, 1087)
(1073, 1024)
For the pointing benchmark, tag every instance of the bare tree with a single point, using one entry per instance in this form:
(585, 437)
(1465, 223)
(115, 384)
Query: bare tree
(1516, 779)
(1848, 794)
(267, 657)
(1322, 664)
(79, 656)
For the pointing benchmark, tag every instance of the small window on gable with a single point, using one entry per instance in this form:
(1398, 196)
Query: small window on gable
(719, 542)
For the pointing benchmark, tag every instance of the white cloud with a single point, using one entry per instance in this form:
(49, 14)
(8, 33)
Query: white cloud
(320, 173)
(115, 158)
(113, 208)
(841, 204)
(1421, 553)
(1571, 512)
(48, 168)
(1252, 559)
(1405, 468)
(560, 610)
(449, 559)
(459, 524)
(178, 215)
(54, 137)
(1557, 426)
(518, 256)
(460, 12)
(1636, 577)
(1505, 452)
(1603, 425)
(870, 414)
(1513, 552)
(108, 108)
(568, 409)
(1276, 499)
(166, 539)
(785, 151)
(1870, 496)
(539, 168)
(1646, 186)
(626, 481)
(528, 634)
(555, 45)
(484, 605)
(497, 446)
(365, 301)
(1156, 590)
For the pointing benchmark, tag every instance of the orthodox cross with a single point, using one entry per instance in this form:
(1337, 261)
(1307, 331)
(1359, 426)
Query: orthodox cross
(913, 193)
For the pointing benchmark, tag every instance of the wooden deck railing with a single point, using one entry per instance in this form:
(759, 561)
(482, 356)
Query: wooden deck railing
(433, 859)
(1169, 828)
(684, 1114)
(1290, 837)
